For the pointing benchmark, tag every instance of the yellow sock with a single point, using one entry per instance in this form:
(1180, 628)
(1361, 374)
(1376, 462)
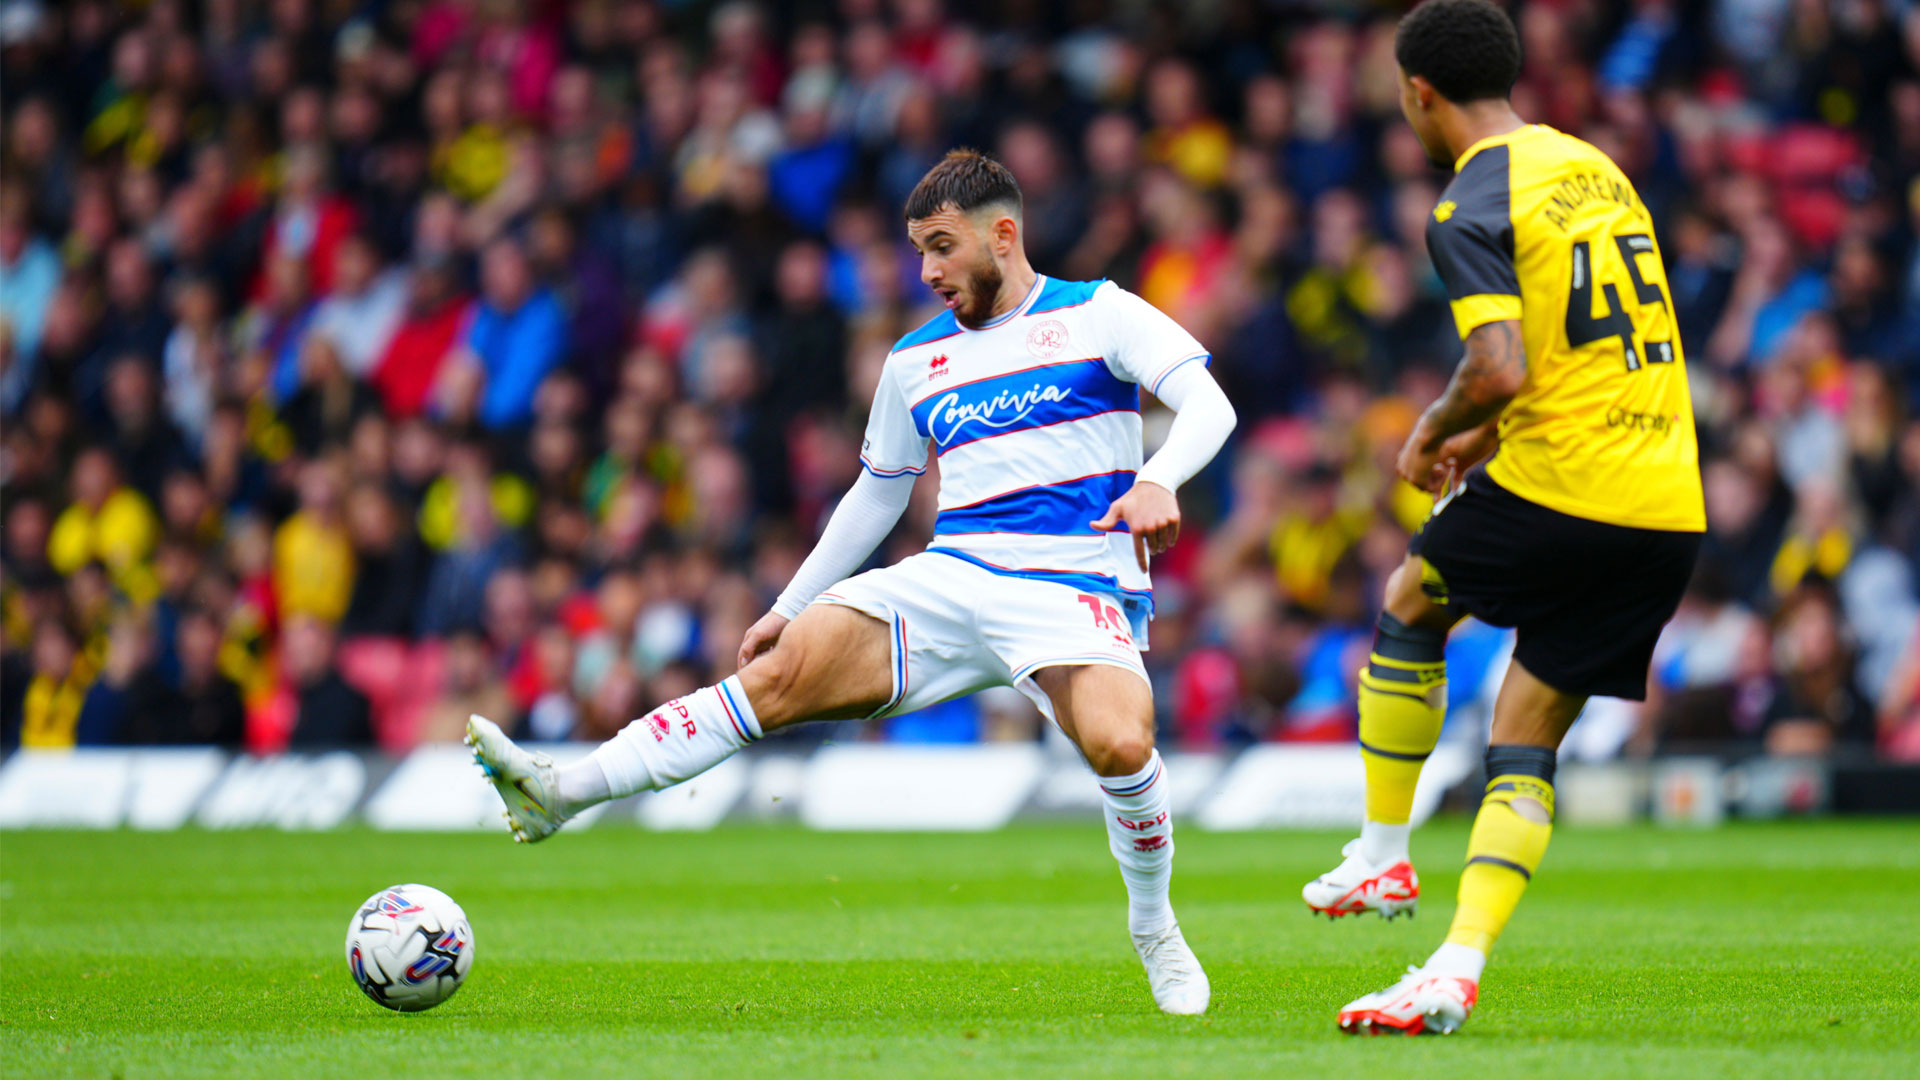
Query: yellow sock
(1509, 837)
(1403, 699)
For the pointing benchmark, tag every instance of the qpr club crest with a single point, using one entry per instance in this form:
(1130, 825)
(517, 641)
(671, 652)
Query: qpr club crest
(1047, 339)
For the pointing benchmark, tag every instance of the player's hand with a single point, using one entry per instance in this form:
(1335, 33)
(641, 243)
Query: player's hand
(1420, 462)
(1469, 448)
(1151, 513)
(762, 636)
(1433, 465)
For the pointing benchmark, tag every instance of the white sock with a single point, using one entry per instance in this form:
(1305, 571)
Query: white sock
(1458, 961)
(677, 741)
(582, 784)
(1140, 832)
(1384, 845)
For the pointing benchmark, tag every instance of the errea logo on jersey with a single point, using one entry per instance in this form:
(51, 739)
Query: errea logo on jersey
(937, 367)
(1444, 211)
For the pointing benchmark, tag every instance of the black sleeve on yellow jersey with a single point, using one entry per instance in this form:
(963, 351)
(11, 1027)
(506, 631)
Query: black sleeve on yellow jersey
(1470, 238)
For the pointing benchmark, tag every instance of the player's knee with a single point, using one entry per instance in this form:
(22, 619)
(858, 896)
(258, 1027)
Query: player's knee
(1407, 600)
(1118, 753)
(772, 683)
(1404, 600)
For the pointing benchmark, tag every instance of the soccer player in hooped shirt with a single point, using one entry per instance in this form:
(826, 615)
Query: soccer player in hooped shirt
(1580, 531)
(1027, 389)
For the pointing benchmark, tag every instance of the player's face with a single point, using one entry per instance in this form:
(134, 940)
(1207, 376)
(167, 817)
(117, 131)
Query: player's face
(958, 262)
(1420, 117)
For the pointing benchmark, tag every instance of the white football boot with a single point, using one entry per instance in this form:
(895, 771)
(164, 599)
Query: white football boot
(1180, 987)
(1357, 886)
(528, 784)
(1418, 1004)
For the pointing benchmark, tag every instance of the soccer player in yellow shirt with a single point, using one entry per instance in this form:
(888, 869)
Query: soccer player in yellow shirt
(1581, 529)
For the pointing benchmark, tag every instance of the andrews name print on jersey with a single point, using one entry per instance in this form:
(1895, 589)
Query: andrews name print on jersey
(1035, 418)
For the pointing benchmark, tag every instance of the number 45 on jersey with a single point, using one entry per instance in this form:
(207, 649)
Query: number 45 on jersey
(1585, 328)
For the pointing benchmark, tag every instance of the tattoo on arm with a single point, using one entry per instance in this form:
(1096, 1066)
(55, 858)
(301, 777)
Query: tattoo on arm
(1489, 375)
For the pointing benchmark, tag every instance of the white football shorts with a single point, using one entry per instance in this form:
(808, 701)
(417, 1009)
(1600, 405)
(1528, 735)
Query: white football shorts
(958, 628)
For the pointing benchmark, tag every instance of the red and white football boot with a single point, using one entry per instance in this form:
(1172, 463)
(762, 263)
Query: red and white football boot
(1419, 1004)
(1357, 886)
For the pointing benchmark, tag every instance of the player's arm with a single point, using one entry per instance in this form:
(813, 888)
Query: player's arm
(891, 459)
(1457, 426)
(1143, 345)
(1203, 418)
(866, 514)
(1471, 241)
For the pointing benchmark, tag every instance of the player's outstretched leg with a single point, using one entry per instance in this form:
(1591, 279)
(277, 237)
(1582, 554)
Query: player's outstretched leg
(1402, 699)
(681, 739)
(1108, 712)
(1509, 838)
(791, 683)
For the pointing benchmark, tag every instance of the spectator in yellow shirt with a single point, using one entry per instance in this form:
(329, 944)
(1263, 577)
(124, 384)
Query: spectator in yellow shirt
(107, 522)
(1313, 534)
(312, 554)
(1184, 136)
(61, 675)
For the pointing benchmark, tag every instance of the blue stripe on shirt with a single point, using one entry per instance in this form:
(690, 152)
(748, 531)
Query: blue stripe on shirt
(941, 325)
(1019, 400)
(1066, 509)
(1057, 294)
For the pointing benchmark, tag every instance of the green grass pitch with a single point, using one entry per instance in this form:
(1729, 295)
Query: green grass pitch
(1789, 950)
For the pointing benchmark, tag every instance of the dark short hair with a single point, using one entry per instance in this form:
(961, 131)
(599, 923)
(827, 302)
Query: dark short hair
(1468, 49)
(966, 178)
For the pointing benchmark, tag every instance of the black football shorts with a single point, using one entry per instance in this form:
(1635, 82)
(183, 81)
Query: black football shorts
(1588, 599)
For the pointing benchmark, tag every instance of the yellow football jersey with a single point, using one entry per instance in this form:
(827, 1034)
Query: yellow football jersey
(1541, 227)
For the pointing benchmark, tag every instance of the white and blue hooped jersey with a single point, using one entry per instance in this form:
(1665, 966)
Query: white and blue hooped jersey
(1035, 420)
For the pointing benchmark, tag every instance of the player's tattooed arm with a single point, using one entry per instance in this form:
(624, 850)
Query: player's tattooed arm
(1490, 374)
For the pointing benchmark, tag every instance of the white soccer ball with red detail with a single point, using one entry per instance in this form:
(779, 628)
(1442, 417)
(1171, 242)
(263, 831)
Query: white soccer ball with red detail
(409, 947)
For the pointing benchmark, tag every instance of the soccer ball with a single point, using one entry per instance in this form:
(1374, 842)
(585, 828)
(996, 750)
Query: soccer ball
(409, 947)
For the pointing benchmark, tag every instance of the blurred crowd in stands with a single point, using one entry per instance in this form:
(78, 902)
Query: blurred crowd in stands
(364, 363)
